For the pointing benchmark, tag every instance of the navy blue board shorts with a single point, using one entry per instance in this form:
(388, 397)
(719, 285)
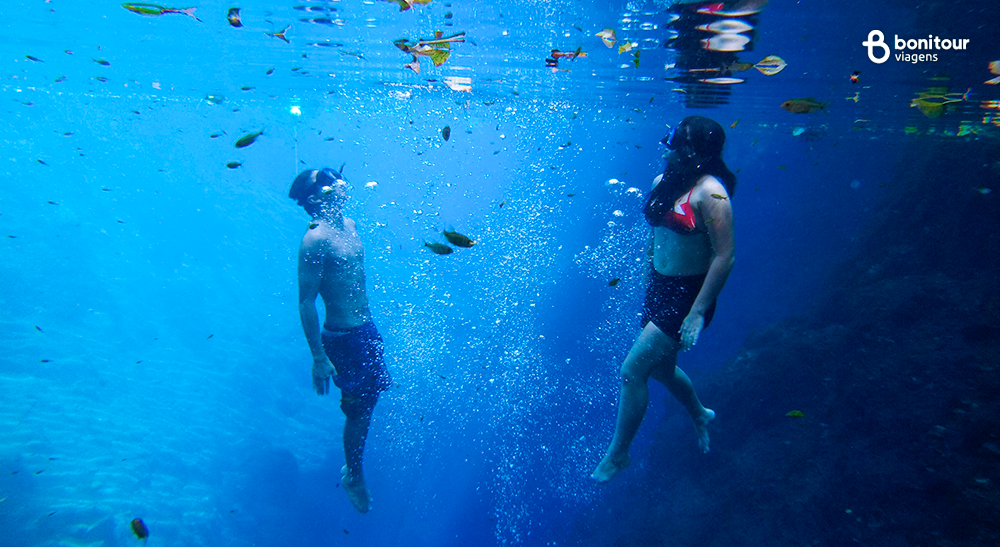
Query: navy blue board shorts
(669, 300)
(357, 354)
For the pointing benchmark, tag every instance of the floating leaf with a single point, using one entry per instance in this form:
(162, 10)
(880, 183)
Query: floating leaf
(607, 36)
(771, 65)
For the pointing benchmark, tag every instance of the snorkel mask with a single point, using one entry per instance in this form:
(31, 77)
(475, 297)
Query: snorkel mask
(327, 179)
(678, 141)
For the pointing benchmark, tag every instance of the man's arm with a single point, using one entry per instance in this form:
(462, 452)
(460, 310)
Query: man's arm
(310, 278)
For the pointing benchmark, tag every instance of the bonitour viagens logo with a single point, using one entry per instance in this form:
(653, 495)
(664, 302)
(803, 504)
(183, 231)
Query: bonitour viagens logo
(878, 50)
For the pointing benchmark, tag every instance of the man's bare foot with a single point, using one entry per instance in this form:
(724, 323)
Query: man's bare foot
(356, 490)
(609, 467)
(701, 427)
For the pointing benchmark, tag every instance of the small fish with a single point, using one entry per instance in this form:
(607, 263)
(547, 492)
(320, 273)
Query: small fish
(782, 167)
(234, 17)
(720, 196)
(45, 361)
(35, 59)
(52, 203)
(270, 71)
(101, 79)
(855, 98)
(614, 282)
(233, 164)
(210, 337)
(60, 79)
(280, 34)
(796, 414)
(733, 126)
(446, 132)
(313, 225)
(855, 76)
(438, 248)
(458, 239)
(216, 135)
(154, 10)
(502, 203)
(607, 36)
(139, 529)
(41, 162)
(247, 88)
(802, 106)
(248, 139)
(102, 62)
(556, 54)
(39, 329)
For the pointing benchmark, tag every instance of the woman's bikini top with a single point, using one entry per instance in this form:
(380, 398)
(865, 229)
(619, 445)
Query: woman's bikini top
(680, 219)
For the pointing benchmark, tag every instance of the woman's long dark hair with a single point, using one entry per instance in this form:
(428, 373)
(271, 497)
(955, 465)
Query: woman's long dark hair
(703, 139)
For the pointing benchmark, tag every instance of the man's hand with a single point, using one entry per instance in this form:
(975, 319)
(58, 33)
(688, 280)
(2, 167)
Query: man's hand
(321, 371)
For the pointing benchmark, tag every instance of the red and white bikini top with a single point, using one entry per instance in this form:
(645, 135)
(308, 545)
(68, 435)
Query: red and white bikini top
(681, 218)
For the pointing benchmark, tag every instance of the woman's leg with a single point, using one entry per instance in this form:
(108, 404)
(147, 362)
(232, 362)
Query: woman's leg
(682, 389)
(651, 350)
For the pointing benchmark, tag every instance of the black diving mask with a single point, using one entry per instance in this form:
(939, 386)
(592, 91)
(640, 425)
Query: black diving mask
(326, 180)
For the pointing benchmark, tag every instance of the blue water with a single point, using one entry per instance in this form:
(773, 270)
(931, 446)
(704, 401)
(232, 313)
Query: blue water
(152, 361)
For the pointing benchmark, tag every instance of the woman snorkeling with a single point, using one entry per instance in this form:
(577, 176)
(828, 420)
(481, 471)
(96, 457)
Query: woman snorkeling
(691, 255)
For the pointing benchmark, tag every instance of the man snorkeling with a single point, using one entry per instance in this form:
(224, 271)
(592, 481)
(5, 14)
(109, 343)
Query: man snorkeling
(348, 347)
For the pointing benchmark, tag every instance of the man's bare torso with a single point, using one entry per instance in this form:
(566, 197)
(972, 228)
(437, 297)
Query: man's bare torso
(342, 284)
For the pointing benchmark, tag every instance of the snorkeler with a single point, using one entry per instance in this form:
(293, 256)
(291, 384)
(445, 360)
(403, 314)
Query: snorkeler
(691, 251)
(349, 349)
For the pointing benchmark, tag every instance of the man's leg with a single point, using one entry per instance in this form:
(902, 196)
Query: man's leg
(355, 435)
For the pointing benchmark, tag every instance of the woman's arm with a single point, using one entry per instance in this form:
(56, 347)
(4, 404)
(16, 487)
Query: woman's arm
(710, 202)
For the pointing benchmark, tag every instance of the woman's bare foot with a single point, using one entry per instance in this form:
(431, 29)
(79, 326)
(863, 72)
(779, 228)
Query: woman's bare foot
(356, 490)
(701, 427)
(609, 467)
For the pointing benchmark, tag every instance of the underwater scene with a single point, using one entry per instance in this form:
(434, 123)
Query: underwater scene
(468, 188)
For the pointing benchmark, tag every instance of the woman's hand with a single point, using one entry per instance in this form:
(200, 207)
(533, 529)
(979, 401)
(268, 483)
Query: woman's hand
(691, 329)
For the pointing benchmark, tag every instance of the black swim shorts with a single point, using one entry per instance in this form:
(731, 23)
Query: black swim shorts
(357, 356)
(669, 300)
